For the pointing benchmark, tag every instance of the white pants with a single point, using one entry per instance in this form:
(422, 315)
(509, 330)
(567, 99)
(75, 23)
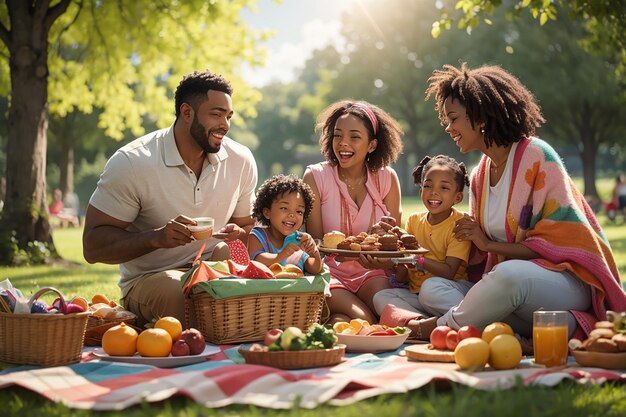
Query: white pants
(399, 297)
(511, 292)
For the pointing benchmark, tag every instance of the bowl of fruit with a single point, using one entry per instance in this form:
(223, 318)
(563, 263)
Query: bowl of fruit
(361, 337)
(292, 348)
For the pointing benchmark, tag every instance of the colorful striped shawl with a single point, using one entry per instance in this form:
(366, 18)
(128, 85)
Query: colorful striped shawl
(548, 214)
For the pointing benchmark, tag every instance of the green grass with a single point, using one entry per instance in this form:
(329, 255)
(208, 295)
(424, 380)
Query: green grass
(438, 399)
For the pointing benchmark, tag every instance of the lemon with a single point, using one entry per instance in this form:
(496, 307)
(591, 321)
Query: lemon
(471, 353)
(505, 352)
(494, 329)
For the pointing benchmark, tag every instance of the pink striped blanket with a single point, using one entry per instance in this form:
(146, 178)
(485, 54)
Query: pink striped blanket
(221, 381)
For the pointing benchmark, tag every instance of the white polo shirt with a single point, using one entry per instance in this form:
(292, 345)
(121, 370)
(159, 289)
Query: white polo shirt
(147, 184)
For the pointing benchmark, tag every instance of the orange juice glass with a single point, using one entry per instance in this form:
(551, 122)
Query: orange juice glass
(550, 337)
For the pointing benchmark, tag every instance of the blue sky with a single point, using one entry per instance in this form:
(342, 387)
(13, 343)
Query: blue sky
(300, 26)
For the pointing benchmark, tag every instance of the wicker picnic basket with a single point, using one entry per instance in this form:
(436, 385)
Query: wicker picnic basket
(42, 339)
(247, 318)
(296, 359)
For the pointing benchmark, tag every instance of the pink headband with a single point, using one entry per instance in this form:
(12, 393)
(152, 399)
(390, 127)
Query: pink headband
(370, 115)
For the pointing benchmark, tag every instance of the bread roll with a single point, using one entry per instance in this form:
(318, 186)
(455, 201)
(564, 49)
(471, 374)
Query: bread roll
(331, 239)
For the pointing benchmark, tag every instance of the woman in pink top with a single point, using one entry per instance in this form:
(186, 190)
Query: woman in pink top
(354, 188)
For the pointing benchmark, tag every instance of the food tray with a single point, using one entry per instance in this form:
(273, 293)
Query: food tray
(296, 359)
(375, 253)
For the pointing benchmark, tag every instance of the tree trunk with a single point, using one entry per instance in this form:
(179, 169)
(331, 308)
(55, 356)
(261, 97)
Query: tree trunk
(25, 210)
(66, 182)
(589, 151)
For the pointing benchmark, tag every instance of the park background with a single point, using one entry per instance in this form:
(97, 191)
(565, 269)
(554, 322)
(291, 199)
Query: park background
(108, 69)
(109, 80)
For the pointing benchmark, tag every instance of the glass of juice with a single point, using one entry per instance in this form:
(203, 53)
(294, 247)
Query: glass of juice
(550, 337)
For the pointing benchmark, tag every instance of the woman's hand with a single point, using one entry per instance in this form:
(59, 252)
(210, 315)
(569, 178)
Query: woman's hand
(468, 229)
(370, 262)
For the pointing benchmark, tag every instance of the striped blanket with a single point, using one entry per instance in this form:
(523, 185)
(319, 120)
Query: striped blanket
(223, 381)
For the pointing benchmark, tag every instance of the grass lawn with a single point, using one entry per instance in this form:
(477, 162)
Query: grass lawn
(440, 399)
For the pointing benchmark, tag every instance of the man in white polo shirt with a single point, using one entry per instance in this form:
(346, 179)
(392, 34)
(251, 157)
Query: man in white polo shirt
(152, 188)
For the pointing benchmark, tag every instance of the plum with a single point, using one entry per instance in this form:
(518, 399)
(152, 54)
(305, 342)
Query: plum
(194, 339)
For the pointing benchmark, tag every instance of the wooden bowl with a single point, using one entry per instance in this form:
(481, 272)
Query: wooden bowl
(296, 359)
(600, 360)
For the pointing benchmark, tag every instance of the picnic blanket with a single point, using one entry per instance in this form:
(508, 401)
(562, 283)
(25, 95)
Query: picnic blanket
(224, 380)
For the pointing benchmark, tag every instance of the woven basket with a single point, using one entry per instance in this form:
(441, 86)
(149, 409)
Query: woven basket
(296, 359)
(247, 318)
(42, 339)
(97, 326)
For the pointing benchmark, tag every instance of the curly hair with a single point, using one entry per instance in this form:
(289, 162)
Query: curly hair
(193, 88)
(459, 169)
(492, 97)
(273, 188)
(389, 132)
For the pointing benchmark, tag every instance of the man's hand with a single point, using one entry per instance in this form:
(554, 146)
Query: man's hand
(175, 233)
(229, 232)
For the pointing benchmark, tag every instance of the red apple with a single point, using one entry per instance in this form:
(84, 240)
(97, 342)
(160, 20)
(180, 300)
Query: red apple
(272, 336)
(438, 337)
(194, 339)
(180, 348)
(452, 339)
(468, 331)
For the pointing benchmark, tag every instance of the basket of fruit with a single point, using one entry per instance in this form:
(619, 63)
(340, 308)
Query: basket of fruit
(294, 349)
(48, 336)
(238, 310)
(105, 314)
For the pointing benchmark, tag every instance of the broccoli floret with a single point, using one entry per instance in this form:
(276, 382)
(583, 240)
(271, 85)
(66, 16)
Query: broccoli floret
(274, 347)
(318, 333)
(298, 343)
(315, 345)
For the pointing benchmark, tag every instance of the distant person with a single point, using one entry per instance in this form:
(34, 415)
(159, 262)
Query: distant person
(282, 205)
(441, 180)
(152, 188)
(3, 191)
(539, 246)
(57, 204)
(353, 189)
(619, 194)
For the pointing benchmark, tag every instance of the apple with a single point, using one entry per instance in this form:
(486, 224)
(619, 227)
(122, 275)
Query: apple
(194, 339)
(468, 331)
(272, 336)
(438, 337)
(452, 339)
(288, 335)
(180, 348)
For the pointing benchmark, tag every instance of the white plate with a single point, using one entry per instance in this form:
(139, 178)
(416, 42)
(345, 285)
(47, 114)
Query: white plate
(372, 344)
(161, 362)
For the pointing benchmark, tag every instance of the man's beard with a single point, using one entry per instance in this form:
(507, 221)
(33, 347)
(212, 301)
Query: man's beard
(198, 133)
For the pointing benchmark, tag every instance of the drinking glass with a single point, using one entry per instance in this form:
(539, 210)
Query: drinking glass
(550, 337)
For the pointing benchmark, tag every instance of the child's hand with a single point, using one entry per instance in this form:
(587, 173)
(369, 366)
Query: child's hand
(289, 250)
(308, 244)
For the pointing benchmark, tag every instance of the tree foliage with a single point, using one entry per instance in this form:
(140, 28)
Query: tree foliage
(122, 58)
(605, 21)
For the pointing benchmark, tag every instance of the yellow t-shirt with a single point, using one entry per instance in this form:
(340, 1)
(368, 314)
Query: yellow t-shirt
(440, 242)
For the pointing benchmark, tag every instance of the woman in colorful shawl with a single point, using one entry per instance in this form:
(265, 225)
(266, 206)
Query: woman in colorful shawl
(353, 189)
(538, 244)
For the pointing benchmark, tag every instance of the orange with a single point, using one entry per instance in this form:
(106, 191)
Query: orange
(120, 340)
(171, 325)
(154, 342)
(340, 326)
(471, 353)
(100, 298)
(81, 301)
(494, 329)
(505, 352)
